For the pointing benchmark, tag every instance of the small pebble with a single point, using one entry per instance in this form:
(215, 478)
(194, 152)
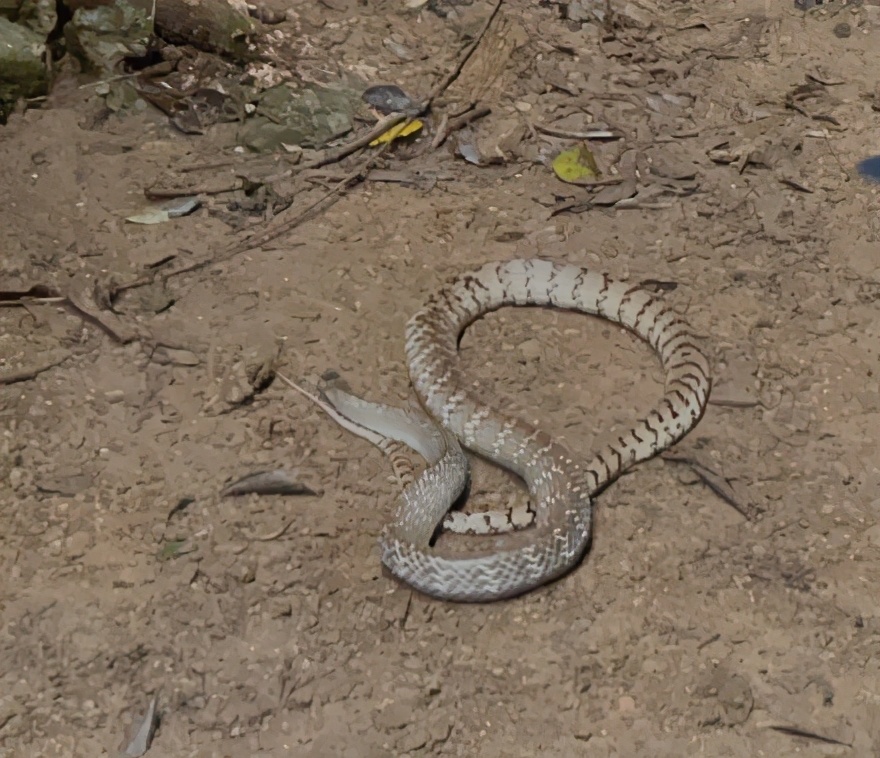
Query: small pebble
(114, 396)
(842, 30)
(531, 350)
(16, 477)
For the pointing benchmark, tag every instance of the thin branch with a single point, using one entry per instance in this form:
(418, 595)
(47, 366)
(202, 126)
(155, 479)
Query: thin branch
(33, 371)
(452, 125)
(596, 134)
(796, 731)
(444, 83)
(714, 482)
(334, 156)
(323, 202)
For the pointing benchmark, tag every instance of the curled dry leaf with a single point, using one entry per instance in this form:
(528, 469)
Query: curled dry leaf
(615, 193)
(181, 207)
(277, 482)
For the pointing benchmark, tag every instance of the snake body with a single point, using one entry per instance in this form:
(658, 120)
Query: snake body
(561, 486)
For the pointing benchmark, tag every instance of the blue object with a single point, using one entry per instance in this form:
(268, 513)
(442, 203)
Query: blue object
(870, 168)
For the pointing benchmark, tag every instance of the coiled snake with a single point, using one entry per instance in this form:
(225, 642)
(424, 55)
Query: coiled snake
(512, 561)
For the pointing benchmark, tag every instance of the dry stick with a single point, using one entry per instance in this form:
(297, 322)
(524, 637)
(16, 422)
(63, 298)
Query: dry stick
(797, 731)
(328, 198)
(190, 167)
(273, 535)
(388, 122)
(565, 134)
(25, 301)
(465, 119)
(270, 234)
(469, 51)
(394, 119)
(30, 373)
(334, 156)
(450, 126)
(336, 191)
(159, 193)
(714, 482)
(442, 132)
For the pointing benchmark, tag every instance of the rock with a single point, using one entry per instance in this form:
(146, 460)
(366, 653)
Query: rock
(39, 15)
(22, 71)
(307, 117)
(101, 37)
(531, 349)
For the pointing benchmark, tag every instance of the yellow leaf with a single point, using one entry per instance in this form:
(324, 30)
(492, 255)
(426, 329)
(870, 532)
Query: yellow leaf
(401, 130)
(577, 165)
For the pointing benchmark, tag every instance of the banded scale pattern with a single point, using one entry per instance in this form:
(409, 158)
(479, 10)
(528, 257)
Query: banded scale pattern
(513, 561)
(561, 486)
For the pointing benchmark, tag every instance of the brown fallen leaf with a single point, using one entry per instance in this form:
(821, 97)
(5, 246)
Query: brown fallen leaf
(277, 482)
(614, 193)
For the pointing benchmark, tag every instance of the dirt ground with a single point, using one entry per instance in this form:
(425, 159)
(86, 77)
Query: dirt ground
(689, 629)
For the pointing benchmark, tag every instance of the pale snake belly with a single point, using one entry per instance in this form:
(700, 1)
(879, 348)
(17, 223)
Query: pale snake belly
(561, 486)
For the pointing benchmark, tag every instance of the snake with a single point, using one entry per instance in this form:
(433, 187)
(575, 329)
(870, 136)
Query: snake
(510, 559)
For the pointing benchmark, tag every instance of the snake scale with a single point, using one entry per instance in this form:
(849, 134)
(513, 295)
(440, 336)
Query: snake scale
(512, 561)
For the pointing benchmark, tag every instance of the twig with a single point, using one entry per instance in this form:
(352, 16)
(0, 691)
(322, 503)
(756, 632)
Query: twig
(330, 197)
(109, 80)
(444, 83)
(442, 132)
(30, 373)
(80, 299)
(714, 482)
(326, 200)
(734, 403)
(455, 124)
(596, 134)
(272, 535)
(82, 302)
(709, 640)
(796, 731)
(25, 301)
(334, 156)
(190, 167)
(416, 176)
(636, 204)
(160, 193)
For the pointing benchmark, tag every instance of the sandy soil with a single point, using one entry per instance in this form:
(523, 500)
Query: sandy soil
(688, 630)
